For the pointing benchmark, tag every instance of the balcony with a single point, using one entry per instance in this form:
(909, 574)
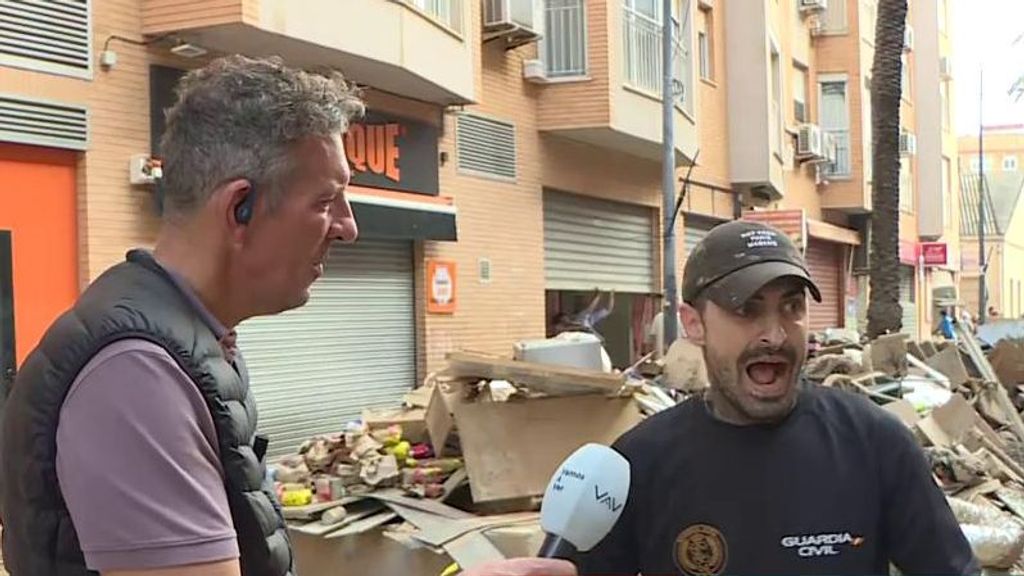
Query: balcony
(758, 141)
(415, 48)
(603, 76)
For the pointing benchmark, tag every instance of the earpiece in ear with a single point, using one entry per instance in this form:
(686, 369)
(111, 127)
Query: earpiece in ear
(243, 211)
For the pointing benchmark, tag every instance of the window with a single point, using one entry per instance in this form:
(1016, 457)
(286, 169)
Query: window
(835, 119)
(445, 12)
(800, 112)
(834, 17)
(648, 8)
(51, 37)
(906, 186)
(776, 100)
(564, 43)
(975, 163)
(706, 44)
(642, 35)
(1009, 163)
(485, 146)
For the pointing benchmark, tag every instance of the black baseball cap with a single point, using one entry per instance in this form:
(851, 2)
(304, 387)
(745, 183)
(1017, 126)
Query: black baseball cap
(738, 258)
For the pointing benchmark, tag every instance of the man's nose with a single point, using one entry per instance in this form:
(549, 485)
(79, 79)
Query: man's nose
(773, 333)
(344, 227)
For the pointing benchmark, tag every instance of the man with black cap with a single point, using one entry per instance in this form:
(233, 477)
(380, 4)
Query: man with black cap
(765, 474)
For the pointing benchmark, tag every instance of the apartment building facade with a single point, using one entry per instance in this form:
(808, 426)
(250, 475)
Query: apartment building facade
(1004, 219)
(797, 150)
(508, 166)
(513, 196)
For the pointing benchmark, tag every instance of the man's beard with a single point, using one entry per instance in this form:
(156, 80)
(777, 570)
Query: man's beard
(726, 379)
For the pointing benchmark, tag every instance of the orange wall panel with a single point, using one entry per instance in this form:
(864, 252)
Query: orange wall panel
(37, 204)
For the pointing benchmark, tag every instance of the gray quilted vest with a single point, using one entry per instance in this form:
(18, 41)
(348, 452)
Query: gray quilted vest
(135, 299)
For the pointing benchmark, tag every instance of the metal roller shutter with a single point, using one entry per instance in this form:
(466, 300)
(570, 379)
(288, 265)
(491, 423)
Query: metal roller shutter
(352, 346)
(592, 243)
(824, 262)
(694, 231)
(908, 301)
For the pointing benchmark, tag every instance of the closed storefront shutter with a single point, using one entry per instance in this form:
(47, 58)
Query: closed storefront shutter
(592, 243)
(695, 230)
(824, 261)
(351, 347)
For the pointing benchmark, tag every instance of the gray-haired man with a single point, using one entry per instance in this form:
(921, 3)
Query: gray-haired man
(129, 442)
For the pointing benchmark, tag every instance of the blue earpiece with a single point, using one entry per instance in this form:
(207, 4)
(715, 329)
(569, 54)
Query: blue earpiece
(243, 212)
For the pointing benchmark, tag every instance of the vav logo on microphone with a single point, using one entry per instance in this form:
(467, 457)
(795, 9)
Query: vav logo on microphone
(607, 499)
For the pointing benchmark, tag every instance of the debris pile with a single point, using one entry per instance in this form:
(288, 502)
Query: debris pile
(462, 465)
(965, 413)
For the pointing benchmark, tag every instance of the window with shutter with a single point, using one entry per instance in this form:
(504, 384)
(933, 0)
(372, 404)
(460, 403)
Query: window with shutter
(51, 36)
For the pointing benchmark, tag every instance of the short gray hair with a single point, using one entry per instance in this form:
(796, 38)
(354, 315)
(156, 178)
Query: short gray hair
(238, 118)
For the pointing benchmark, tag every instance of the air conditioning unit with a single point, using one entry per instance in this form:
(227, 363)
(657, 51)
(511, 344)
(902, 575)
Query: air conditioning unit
(946, 68)
(908, 143)
(534, 71)
(519, 22)
(809, 142)
(908, 38)
(813, 5)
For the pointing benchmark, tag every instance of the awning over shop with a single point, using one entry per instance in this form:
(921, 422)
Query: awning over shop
(832, 233)
(394, 215)
(800, 228)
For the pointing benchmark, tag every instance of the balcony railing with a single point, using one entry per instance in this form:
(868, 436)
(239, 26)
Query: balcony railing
(642, 42)
(841, 167)
(448, 13)
(565, 43)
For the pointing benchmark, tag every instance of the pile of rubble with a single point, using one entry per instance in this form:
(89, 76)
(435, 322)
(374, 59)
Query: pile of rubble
(964, 407)
(462, 465)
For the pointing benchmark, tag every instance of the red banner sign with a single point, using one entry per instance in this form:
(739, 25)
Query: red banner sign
(935, 253)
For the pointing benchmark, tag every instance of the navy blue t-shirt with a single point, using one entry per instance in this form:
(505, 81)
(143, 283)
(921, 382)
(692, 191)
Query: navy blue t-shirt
(838, 487)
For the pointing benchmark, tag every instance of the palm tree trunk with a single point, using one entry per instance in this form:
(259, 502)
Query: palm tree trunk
(884, 311)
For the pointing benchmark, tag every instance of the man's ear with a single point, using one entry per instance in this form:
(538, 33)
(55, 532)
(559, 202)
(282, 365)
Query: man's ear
(226, 201)
(692, 323)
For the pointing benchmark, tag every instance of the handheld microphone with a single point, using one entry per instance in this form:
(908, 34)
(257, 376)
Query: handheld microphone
(583, 501)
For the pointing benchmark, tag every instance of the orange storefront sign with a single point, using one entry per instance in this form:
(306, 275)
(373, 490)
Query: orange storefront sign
(374, 148)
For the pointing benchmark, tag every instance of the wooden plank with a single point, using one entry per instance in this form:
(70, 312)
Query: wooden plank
(949, 363)
(1013, 497)
(473, 549)
(987, 487)
(468, 548)
(364, 525)
(556, 380)
(903, 410)
(432, 506)
(511, 449)
(457, 528)
(439, 421)
(310, 511)
(315, 528)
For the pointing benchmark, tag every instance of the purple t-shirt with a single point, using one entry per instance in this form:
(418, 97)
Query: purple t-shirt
(138, 463)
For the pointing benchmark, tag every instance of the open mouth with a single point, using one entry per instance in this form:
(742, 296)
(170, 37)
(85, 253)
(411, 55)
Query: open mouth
(769, 376)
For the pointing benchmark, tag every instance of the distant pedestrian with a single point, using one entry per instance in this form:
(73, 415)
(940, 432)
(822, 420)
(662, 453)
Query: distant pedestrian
(946, 326)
